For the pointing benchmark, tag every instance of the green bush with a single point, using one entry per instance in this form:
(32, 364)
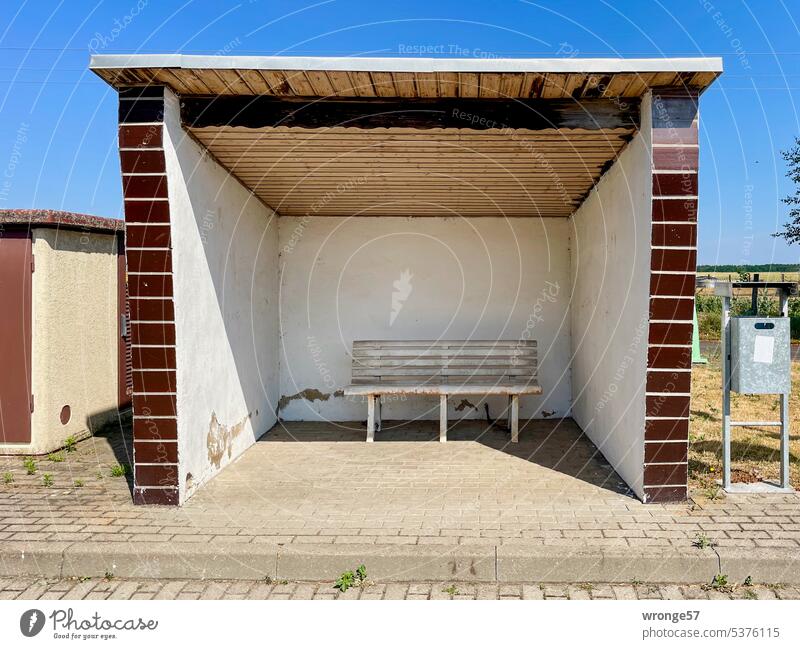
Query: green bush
(708, 304)
(709, 314)
(709, 325)
(767, 305)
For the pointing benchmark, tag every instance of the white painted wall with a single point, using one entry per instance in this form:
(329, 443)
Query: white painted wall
(469, 278)
(610, 305)
(225, 275)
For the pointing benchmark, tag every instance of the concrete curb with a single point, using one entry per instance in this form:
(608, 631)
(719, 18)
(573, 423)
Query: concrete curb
(461, 563)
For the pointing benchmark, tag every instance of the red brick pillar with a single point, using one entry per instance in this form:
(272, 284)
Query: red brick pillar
(672, 282)
(152, 312)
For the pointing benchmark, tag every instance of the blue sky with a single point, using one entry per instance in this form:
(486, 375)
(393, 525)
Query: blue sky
(58, 121)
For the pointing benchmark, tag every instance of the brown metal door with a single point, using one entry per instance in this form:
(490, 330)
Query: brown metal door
(15, 337)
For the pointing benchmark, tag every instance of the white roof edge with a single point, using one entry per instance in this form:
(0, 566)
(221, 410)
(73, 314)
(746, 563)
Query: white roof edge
(408, 64)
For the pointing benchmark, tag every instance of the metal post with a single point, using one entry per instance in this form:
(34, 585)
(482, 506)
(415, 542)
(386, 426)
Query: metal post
(443, 418)
(754, 297)
(725, 353)
(784, 303)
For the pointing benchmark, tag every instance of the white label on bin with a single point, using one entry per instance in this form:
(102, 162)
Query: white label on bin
(764, 347)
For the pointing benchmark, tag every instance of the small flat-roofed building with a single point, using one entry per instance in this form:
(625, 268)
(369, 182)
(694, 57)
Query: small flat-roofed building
(63, 331)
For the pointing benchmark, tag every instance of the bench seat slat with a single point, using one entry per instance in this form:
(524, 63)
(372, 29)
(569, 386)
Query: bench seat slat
(453, 371)
(434, 354)
(445, 362)
(443, 343)
(443, 388)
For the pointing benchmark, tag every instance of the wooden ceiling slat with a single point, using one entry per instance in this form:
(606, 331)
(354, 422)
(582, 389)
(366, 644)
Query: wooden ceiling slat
(234, 83)
(703, 79)
(468, 84)
(553, 87)
(511, 85)
(638, 85)
(299, 83)
(341, 84)
(408, 148)
(617, 84)
(344, 134)
(362, 84)
(383, 84)
(320, 83)
(427, 85)
(448, 84)
(277, 81)
(404, 82)
(490, 85)
(244, 156)
(572, 83)
(255, 81)
(194, 82)
(212, 82)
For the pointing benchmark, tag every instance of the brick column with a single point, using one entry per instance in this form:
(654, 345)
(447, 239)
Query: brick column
(672, 283)
(152, 313)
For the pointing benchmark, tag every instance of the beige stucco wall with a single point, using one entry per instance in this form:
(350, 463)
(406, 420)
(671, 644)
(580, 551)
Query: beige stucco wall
(74, 335)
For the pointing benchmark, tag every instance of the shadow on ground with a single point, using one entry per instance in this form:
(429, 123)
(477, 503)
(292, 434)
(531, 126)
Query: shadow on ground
(553, 445)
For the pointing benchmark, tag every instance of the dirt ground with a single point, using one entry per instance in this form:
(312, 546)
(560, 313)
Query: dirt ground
(755, 452)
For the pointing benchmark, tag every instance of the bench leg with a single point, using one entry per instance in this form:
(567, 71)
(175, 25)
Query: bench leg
(443, 418)
(378, 412)
(371, 418)
(513, 417)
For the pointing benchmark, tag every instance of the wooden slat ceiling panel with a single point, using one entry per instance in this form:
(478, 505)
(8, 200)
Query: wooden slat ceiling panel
(407, 172)
(342, 83)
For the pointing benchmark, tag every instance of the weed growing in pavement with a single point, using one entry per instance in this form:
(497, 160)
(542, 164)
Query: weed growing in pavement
(701, 541)
(119, 470)
(351, 578)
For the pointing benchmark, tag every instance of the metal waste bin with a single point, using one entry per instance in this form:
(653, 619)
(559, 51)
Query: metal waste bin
(760, 355)
(756, 359)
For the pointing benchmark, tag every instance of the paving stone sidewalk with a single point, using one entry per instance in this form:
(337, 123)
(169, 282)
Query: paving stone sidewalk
(125, 589)
(320, 483)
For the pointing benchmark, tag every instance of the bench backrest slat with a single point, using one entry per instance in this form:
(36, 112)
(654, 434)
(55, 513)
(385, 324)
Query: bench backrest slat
(444, 361)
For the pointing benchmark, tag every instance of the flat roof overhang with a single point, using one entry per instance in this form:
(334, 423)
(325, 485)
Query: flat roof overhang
(39, 218)
(411, 137)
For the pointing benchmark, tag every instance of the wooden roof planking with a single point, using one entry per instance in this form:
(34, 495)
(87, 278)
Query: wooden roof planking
(342, 171)
(404, 77)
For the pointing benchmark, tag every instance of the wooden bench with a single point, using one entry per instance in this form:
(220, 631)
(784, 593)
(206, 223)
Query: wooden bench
(444, 368)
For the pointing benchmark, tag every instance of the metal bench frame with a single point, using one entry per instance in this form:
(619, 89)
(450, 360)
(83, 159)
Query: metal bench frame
(444, 368)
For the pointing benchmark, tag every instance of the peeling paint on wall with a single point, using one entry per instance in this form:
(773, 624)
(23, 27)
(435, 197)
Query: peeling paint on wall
(220, 439)
(465, 403)
(309, 394)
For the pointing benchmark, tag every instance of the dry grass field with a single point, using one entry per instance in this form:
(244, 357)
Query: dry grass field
(754, 451)
(764, 277)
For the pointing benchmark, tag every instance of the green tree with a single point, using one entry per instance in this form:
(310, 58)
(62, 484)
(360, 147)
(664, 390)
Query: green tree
(791, 229)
